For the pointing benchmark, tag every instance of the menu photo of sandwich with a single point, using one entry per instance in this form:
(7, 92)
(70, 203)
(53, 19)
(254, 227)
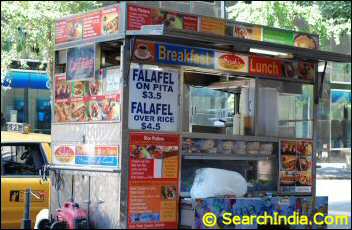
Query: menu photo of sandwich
(95, 87)
(110, 108)
(79, 110)
(62, 111)
(110, 22)
(95, 111)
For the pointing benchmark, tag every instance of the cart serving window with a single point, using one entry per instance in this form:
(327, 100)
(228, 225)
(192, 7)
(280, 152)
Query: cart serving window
(148, 102)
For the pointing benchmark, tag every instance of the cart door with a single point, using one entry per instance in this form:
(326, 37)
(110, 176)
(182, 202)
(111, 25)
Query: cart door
(20, 165)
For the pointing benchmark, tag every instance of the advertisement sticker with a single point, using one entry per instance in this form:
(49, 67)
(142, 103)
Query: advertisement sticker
(231, 62)
(278, 36)
(64, 154)
(89, 154)
(265, 66)
(80, 63)
(299, 70)
(248, 32)
(213, 26)
(74, 29)
(153, 99)
(153, 180)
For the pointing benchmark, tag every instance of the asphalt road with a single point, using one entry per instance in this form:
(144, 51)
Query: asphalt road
(339, 193)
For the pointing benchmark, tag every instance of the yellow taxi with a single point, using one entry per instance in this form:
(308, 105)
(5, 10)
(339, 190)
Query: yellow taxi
(23, 156)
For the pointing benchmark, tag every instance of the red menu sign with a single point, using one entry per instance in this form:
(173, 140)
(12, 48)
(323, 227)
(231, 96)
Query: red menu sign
(139, 16)
(153, 180)
(87, 26)
(92, 25)
(265, 66)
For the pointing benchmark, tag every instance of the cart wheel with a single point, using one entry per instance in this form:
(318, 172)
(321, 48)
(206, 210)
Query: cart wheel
(44, 224)
(59, 225)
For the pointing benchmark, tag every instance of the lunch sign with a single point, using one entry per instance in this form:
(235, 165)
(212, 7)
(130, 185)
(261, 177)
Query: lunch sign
(253, 65)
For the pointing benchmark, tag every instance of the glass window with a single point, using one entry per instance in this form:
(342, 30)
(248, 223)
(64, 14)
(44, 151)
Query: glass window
(25, 159)
(340, 113)
(285, 109)
(340, 72)
(220, 106)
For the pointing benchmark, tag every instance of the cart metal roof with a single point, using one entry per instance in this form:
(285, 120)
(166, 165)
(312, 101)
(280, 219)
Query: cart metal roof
(161, 33)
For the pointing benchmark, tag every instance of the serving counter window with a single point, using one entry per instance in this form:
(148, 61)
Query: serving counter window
(219, 104)
(285, 109)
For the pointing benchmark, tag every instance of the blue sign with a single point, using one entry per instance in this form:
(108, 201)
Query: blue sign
(31, 80)
(340, 96)
(184, 55)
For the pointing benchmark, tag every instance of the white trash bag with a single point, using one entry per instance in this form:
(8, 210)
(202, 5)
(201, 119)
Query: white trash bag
(212, 182)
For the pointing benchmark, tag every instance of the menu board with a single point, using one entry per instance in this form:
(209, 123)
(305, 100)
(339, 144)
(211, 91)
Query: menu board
(153, 180)
(139, 16)
(153, 99)
(86, 155)
(80, 63)
(296, 166)
(87, 101)
(274, 35)
(248, 32)
(212, 25)
(88, 26)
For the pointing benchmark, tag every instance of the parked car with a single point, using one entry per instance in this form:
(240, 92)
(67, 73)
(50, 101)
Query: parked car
(23, 156)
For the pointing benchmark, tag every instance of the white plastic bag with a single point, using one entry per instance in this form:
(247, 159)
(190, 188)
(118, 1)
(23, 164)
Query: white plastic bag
(212, 182)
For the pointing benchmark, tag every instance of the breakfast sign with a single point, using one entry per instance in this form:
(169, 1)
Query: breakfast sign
(172, 54)
(88, 26)
(254, 65)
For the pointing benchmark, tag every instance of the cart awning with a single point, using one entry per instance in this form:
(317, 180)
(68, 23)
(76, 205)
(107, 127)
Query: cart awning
(161, 33)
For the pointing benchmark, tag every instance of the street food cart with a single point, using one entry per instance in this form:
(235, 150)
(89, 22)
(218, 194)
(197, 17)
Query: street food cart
(144, 97)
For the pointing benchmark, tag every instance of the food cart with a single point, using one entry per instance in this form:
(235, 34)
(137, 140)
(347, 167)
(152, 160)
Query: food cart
(145, 97)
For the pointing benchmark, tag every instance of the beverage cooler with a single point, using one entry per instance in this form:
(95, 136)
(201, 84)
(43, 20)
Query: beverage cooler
(161, 117)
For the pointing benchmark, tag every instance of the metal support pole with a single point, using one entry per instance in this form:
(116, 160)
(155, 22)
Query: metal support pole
(27, 222)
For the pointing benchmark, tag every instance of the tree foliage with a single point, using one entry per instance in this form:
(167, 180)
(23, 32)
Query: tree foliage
(28, 27)
(328, 19)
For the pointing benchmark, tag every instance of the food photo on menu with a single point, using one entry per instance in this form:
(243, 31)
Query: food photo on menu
(78, 111)
(110, 23)
(153, 151)
(305, 41)
(62, 111)
(95, 111)
(95, 87)
(143, 51)
(62, 89)
(78, 89)
(169, 19)
(110, 109)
